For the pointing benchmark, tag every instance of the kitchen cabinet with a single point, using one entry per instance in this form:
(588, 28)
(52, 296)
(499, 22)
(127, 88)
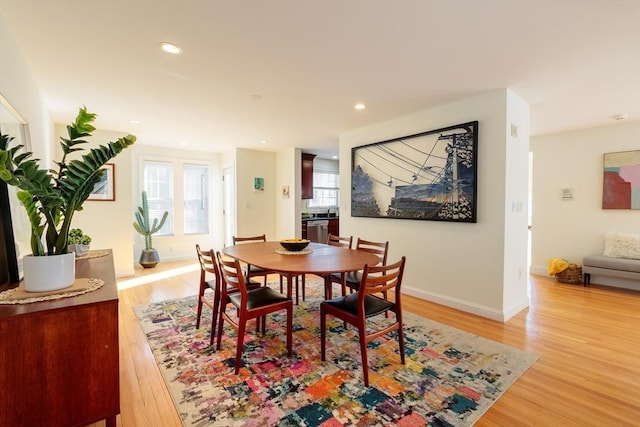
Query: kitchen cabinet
(307, 175)
(334, 226)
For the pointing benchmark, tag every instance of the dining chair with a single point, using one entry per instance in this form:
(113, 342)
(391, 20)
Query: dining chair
(357, 307)
(249, 304)
(340, 241)
(352, 279)
(252, 270)
(210, 279)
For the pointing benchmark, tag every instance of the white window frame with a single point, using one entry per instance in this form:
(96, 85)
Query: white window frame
(178, 190)
(312, 203)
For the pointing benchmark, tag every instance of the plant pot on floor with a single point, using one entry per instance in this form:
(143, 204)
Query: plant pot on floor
(49, 273)
(149, 258)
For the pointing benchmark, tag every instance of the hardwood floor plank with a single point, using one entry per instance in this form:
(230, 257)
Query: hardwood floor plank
(588, 339)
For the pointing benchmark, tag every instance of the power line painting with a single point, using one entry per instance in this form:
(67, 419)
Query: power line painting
(427, 176)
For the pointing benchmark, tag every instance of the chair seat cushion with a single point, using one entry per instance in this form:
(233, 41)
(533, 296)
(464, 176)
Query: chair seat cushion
(256, 270)
(353, 278)
(211, 284)
(259, 297)
(373, 305)
(250, 285)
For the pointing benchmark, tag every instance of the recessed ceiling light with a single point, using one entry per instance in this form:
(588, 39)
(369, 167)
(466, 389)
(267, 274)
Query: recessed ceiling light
(184, 144)
(170, 48)
(360, 106)
(134, 122)
(264, 141)
(620, 116)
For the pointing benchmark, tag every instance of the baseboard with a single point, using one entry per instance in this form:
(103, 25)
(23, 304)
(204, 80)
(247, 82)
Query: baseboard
(538, 270)
(459, 304)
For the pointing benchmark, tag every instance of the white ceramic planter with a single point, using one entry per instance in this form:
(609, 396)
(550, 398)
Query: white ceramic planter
(49, 273)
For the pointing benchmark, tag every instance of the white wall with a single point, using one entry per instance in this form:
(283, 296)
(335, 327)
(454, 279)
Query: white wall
(109, 223)
(19, 88)
(256, 210)
(573, 229)
(287, 212)
(473, 267)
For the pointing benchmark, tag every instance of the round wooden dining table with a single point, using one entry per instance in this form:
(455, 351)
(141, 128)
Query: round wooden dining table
(320, 260)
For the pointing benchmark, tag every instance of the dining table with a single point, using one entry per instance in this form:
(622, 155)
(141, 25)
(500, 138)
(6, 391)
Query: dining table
(317, 258)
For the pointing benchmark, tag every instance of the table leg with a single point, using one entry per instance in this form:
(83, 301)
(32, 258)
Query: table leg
(289, 285)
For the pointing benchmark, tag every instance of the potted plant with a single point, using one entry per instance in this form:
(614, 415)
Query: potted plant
(149, 257)
(78, 242)
(52, 196)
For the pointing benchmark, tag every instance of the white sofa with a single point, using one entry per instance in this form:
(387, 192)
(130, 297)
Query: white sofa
(618, 266)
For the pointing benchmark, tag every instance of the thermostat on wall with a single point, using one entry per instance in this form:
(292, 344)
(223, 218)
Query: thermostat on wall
(567, 195)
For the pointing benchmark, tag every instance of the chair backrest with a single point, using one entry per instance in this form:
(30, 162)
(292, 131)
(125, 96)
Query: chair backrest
(381, 278)
(252, 239)
(207, 263)
(344, 242)
(379, 248)
(231, 273)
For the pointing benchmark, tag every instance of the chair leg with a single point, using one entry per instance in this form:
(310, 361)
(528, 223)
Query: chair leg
(289, 329)
(220, 324)
(323, 332)
(400, 336)
(304, 283)
(242, 323)
(199, 314)
(363, 352)
(216, 311)
(327, 288)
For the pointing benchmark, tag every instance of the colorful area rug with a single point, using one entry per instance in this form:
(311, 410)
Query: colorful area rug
(450, 377)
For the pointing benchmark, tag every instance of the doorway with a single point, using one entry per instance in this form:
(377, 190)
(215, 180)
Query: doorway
(228, 200)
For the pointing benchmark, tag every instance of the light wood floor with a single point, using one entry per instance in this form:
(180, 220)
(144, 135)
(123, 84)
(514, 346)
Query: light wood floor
(588, 340)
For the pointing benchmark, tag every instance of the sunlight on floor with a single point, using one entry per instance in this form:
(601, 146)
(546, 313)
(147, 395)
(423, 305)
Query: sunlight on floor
(148, 278)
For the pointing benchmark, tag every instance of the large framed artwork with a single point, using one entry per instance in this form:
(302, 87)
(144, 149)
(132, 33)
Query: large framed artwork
(621, 180)
(427, 176)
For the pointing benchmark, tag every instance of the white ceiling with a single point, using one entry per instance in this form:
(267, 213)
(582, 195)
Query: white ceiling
(575, 62)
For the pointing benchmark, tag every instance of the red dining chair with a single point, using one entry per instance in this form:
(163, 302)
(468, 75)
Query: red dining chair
(249, 304)
(210, 280)
(357, 307)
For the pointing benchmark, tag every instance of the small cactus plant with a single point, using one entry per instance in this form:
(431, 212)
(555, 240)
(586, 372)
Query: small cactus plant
(144, 226)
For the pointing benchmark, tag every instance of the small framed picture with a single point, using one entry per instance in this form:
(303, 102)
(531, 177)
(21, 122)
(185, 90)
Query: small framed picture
(105, 189)
(258, 184)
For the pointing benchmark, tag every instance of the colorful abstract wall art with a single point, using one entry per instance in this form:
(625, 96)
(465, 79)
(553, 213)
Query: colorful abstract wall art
(621, 181)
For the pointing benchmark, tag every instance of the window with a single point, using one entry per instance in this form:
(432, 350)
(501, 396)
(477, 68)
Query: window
(180, 188)
(326, 190)
(196, 202)
(158, 183)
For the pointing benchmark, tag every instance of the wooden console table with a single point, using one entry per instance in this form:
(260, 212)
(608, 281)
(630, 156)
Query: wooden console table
(59, 359)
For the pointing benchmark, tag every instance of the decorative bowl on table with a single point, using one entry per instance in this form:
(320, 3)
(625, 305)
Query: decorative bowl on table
(294, 245)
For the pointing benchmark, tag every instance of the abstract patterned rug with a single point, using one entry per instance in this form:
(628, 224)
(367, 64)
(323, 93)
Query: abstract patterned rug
(450, 377)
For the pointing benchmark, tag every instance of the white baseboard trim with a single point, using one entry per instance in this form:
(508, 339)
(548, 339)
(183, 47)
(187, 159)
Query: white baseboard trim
(459, 304)
(538, 270)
